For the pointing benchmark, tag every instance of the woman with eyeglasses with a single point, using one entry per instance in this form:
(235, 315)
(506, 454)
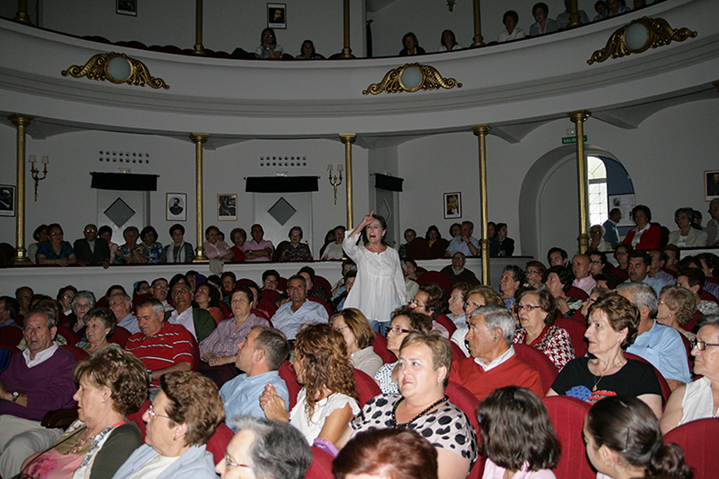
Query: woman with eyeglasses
(621, 254)
(268, 49)
(358, 336)
(700, 398)
(180, 421)
(537, 312)
(55, 250)
(404, 321)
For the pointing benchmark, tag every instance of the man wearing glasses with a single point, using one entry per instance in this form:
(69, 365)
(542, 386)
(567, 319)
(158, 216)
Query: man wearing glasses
(92, 250)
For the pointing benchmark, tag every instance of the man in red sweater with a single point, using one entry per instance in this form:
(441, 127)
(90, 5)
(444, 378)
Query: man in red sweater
(493, 363)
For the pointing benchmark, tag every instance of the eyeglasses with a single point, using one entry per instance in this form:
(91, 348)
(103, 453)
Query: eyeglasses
(151, 412)
(526, 307)
(228, 463)
(531, 271)
(473, 305)
(418, 304)
(700, 345)
(396, 330)
(340, 328)
(596, 261)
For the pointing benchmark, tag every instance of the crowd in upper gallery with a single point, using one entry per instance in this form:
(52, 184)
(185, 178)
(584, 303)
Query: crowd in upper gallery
(434, 352)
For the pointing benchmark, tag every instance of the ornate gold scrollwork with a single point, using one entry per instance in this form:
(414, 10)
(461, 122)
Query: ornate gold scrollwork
(98, 68)
(429, 79)
(658, 33)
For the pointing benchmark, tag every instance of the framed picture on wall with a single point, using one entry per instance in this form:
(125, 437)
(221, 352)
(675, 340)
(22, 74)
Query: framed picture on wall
(624, 203)
(7, 200)
(276, 15)
(453, 205)
(711, 185)
(227, 207)
(126, 7)
(176, 209)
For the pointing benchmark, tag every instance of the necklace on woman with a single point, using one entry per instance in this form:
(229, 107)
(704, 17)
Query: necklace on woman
(601, 375)
(393, 419)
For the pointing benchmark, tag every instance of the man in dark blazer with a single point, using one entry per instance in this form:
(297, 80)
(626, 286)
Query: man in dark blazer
(92, 250)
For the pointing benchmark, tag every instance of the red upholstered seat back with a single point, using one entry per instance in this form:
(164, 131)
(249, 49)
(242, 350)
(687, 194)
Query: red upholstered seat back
(380, 348)
(321, 467)
(576, 332)
(226, 310)
(195, 354)
(457, 353)
(706, 296)
(324, 284)
(575, 292)
(70, 336)
(436, 277)
(467, 402)
(287, 373)
(547, 369)
(120, 336)
(323, 303)
(11, 336)
(567, 416)
(217, 444)
(136, 417)
(79, 353)
(137, 300)
(270, 294)
(698, 439)
(366, 387)
(444, 320)
(666, 390)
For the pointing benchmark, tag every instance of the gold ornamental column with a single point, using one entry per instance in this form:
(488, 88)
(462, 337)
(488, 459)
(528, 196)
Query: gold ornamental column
(348, 139)
(199, 49)
(199, 139)
(578, 117)
(477, 40)
(346, 51)
(21, 122)
(481, 131)
(573, 14)
(21, 16)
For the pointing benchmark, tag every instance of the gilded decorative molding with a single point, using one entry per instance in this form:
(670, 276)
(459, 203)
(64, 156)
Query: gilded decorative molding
(98, 68)
(429, 79)
(658, 34)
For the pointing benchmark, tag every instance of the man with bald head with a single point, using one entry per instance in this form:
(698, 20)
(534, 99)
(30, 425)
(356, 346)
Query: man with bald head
(92, 250)
(582, 274)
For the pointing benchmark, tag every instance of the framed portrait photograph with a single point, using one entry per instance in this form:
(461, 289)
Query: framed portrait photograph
(226, 207)
(176, 207)
(453, 205)
(276, 15)
(625, 203)
(711, 185)
(126, 7)
(7, 200)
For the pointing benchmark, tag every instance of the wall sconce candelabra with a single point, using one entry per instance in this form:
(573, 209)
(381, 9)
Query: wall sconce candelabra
(36, 173)
(336, 180)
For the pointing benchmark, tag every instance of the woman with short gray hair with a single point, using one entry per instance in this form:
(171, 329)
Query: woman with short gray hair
(131, 252)
(686, 236)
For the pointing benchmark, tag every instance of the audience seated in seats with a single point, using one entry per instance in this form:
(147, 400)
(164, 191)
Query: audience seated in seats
(100, 326)
(121, 305)
(270, 280)
(686, 236)
(464, 243)
(207, 297)
(533, 274)
(611, 232)
(598, 263)
(432, 301)
(447, 43)
(160, 289)
(644, 235)
(238, 236)
(349, 281)
(266, 449)
(162, 346)
(257, 249)
(404, 321)
(564, 17)
(493, 362)
(105, 232)
(616, 7)
(621, 255)
(697, 399)
(624, 440)
(712, 229)
(511, 281)
(180, 422)
(9, 310)
(314, 290)
(411, 45)
(596, 239)
(608, 281)
(197, 321)
(333, 249)
(259, 356)
(65, 295)
(456, 272)
(558, 280)
(693, 280)
(557, 257)
(55, 250)
(422, 404)
(40, 235)
(112, 384)
(152, 249)
(477, 296)
(392, 453)
(567, 415)
(409, 270)
(358, 336)
(510, 19)
(493, 240)
(36, 381)
(506, 245)
(328, 399)
(268, 49)
(661, 345)
(656, 268)
(517, 435)
(92, 250)
(582, 274)
(543, 24)
(537, 312)
(215, 248)
(131, 252)
(307, 52)
(83, 302)
(296, 250)
(379, 288)
(178, 251)
(601, 8)
(456, 304)
(676, 307)
(613, 326)
(290, 316)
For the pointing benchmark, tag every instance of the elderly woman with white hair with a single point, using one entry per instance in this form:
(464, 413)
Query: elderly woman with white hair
(686, 236)
(596, 239)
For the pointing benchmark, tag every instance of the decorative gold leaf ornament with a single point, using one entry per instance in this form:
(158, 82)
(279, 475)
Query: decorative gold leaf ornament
(638, 36)
(116, 68)
(410, 78)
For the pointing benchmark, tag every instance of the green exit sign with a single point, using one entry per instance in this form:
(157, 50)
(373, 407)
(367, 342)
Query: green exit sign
(571, 139)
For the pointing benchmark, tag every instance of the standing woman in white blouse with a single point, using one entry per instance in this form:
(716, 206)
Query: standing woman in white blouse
(379, 288)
